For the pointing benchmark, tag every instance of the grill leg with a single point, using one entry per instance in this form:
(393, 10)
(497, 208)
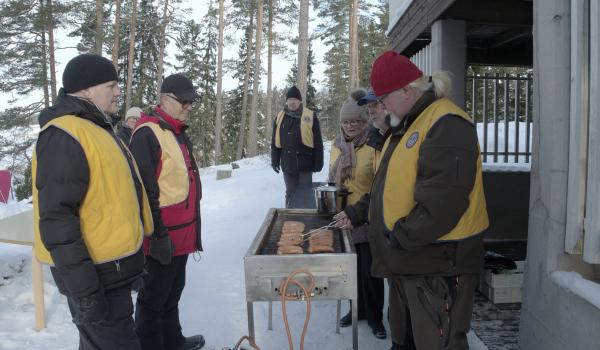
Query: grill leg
(354, 306)
(270, 325)
(250, 308)
(337, 317)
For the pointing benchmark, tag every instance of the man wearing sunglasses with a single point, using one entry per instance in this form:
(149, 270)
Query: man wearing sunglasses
(165, 158)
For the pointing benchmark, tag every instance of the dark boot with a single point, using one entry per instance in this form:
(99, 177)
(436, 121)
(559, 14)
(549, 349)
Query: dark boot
(195, 342)
(378, 330)
(346, 321)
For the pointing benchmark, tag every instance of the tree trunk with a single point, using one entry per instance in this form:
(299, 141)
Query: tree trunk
(99, 29)
(115, 49)
(252, 125)
(240, 147)
(51, 49)
(303, 49)
(44, 61)
(218, 117)
(131, 55)
(161, 52)
(269, 74)
(353, 46)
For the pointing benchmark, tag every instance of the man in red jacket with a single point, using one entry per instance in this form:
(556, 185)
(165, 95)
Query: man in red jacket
(165, 158)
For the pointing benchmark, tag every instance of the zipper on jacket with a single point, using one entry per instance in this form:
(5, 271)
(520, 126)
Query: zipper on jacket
(118, 265)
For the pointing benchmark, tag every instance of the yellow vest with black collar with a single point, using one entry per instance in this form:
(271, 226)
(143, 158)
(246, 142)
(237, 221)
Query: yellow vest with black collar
(111, 225)
(306, 124)
(173, 180)
(398, 193)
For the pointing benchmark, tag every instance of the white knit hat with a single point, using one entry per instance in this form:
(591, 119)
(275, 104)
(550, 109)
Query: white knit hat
(133, 112)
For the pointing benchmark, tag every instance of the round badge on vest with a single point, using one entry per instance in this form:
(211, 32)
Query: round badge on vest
(412, 140)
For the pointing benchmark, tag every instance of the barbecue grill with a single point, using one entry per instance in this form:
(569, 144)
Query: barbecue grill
(335, 273)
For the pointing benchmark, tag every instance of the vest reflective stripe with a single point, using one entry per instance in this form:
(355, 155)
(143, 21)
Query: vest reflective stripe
(306, 124)
(363, 173)
(110, 212)
(398, 194)
(173, 180)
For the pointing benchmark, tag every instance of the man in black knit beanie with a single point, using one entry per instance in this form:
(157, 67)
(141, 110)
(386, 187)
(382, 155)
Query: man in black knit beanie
(91, 212)
(296, 144)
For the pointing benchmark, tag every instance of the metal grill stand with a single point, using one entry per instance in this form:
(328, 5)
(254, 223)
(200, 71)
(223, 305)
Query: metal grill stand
(334, 273)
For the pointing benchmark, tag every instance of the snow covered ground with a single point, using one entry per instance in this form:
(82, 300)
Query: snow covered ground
(213, 302)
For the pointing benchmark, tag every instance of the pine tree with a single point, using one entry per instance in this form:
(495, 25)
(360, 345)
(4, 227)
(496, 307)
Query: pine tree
(310, 99)
(25, 58)
(372, 41)
(197, 61)
(146, 49)
(334, 33)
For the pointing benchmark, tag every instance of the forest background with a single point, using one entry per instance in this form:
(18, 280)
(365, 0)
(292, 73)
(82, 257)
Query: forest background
(229, 52)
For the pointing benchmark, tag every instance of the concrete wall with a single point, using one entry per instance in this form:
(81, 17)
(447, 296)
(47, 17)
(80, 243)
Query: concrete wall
(551, 317)
(449, 53)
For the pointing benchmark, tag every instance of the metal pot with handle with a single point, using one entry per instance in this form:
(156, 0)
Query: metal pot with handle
(330, 199)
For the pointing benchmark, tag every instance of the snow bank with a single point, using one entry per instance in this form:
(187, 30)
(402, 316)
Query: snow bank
(14, 207)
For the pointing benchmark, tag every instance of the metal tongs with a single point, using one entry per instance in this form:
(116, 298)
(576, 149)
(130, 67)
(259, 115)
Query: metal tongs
(319, 230)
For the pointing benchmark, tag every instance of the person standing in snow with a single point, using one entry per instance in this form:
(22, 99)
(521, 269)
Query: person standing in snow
(426, 208)
(131, 117)
(351, 168)
(164, 154)
(90, 208)
(296, 144)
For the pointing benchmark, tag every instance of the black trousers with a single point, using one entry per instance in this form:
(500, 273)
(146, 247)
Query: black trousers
(157, 308)
(370, 289)
(435, 310)
(291, 184)
(117, 332)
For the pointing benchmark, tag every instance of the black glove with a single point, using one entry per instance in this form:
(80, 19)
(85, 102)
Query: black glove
(90, 309)
(162, 248)
(275, 168)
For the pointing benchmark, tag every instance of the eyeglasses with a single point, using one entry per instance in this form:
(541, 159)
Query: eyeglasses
(352, 122)
(183, 104)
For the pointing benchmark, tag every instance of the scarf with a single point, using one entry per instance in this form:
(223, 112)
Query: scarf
(343, 168)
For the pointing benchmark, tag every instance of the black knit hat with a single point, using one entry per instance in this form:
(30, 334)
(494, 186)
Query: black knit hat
(293, 92)
(180, 86)
(87, 70)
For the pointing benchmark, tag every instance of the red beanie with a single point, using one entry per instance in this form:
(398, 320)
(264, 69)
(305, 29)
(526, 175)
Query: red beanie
(392, 71)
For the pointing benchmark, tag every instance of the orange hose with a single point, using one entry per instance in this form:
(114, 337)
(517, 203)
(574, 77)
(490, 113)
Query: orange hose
(284, 297)
(250, 340)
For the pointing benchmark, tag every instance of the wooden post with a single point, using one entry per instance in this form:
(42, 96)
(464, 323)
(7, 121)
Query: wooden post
(37, 277)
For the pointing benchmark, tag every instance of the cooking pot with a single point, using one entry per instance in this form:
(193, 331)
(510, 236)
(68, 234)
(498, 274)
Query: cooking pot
(330, 199)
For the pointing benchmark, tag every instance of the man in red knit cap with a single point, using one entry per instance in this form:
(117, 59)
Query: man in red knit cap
(426, 208)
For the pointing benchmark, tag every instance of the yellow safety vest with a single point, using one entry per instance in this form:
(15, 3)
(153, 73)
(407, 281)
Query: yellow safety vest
(398, 193)
(363, 174)
(110, 212)
(306, 124)
(173, 180)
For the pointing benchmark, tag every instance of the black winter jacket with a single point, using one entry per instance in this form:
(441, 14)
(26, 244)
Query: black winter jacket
(124, 134)
(62, 181)
(294, 156)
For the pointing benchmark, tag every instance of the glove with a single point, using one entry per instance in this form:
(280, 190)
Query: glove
(90, 309)
(275, 168)
(162, 248)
